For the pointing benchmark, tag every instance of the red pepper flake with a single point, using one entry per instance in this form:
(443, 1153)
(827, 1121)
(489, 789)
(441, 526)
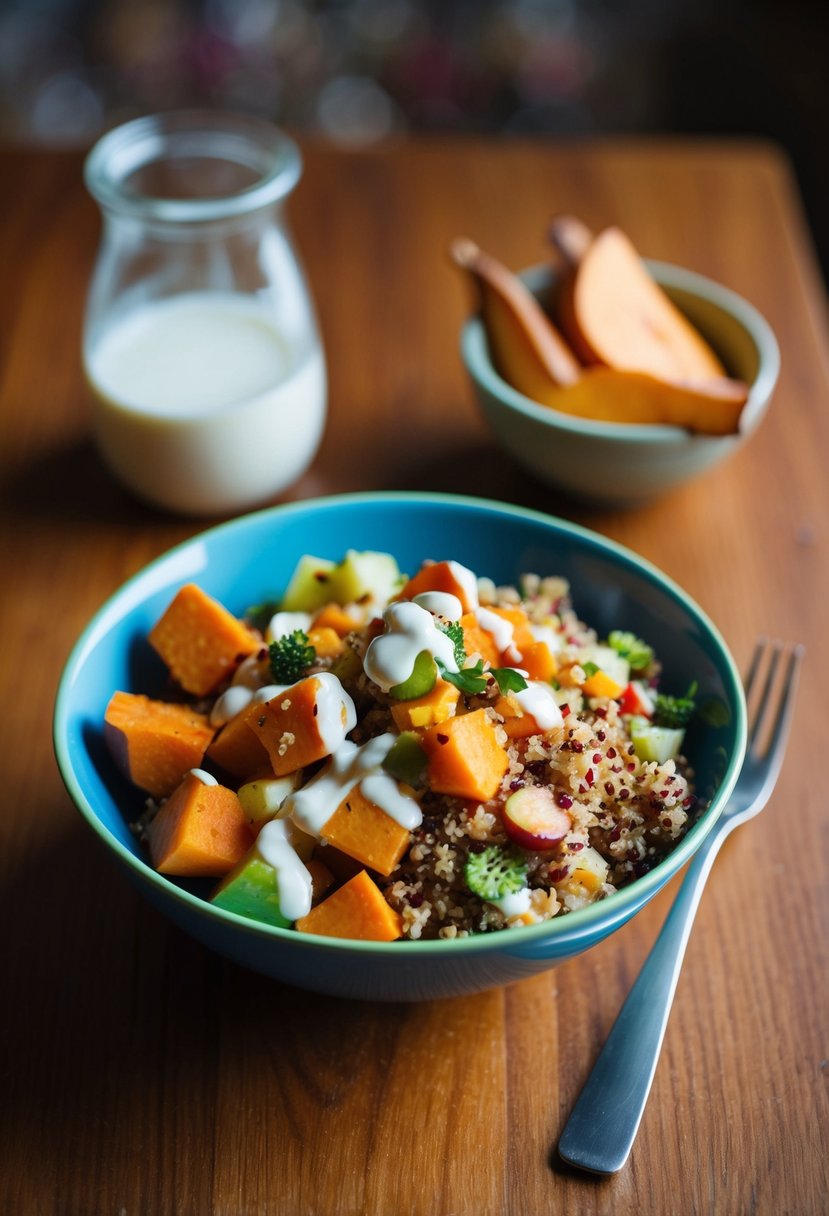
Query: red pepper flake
(590, 776)
(565, 710)
(624, 793)
(601, 712)
(611, 753)
(564, 800)
(597, 757)
(608, 785)
(631, 767)
(576, 846)
(559, 874)
(442, 739)
(601, 735)
(316, 709)
(576, 745)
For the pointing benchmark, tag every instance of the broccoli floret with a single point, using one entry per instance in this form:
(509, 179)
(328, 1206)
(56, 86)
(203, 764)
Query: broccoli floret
(674, 712)
(638, 653)
(290, 656)
(454, 631)
(495, 872)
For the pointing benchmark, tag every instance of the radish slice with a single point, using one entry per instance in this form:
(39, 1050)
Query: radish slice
(532, 819)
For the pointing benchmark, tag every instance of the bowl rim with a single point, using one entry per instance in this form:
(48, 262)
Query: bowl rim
(562, 931)
(476, 359)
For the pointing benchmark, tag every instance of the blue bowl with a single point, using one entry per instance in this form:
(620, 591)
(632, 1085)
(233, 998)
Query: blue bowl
(249, 560)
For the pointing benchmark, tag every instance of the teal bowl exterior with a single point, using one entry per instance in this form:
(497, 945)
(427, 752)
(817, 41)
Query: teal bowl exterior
(613, 463)
(249, 560)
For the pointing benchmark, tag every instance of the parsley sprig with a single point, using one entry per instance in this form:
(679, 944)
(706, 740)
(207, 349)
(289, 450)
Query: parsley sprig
(674, 712)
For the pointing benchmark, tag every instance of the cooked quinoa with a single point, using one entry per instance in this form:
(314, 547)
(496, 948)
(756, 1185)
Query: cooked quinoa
(629, 811)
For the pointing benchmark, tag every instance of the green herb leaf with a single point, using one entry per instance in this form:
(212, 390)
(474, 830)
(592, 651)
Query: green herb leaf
(454, 631)
(290, 656)
(470, 680)
(589, 668)
(509, 680)
(638, 653)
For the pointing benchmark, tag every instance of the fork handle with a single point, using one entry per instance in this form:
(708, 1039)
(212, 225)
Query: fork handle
(603, 1124)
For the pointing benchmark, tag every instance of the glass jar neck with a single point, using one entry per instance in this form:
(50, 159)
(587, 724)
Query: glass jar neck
(193, 168)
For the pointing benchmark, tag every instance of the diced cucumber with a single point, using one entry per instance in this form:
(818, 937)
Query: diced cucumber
(251, 890)
(261, 799)
(309, 587)
(422, 680)
(366, 575)
(406, 759)
(659, 743)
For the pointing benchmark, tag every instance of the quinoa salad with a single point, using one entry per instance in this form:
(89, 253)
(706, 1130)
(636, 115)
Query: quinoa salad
(382, 757)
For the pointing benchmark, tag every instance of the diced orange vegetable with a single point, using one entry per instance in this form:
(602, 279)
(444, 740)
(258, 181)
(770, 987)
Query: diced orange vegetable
(200, 831)
(332, 616)
(288, 727)
(517, 723)
(436, 576)
(154, 743)
(326, 641)
(478, 641)
(366, 833)
(435, 706)
(200, 641)
(588, 879)
(600, 684)
(539, 662)
(322, 879)
(357, 911)
(465, 757)
(237, 750)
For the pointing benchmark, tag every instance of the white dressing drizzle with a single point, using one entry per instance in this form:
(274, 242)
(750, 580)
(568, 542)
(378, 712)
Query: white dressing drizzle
(275, 845)
(336, 714)
(410, 629)
(546, 633)
(515, 904)
(283, 623)
(467, 582)
(500, 630)
(267, 692)
(232, 701)
(312, 806)
(440, 603)
(383, 791)
(538, 700)
(204, 777)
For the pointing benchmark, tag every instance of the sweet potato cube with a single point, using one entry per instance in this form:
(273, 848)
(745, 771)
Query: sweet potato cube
(434, 706)
(517, 723)
(465, 757)
(154, 743)
(357, 911)
(438, 576)
(332, 616)
(326, 641)
(237, 750)
(200, 641)
(366, 833)
(478, 641)
(538, 661)
(295, 727)
(200, 831)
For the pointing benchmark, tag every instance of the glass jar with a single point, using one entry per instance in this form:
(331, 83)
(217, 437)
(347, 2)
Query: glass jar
(201, 347)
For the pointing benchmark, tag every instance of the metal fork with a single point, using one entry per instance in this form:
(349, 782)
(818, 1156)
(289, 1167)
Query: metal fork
(603, 1124)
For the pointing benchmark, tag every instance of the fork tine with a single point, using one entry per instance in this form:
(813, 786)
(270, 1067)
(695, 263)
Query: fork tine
(754, 666)
(782, 721)
(763, 700)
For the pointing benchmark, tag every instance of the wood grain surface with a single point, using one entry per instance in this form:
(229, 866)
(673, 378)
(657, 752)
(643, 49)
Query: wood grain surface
(142, 1074)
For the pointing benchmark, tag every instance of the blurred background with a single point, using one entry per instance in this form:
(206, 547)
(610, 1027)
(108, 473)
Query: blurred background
(363, 71)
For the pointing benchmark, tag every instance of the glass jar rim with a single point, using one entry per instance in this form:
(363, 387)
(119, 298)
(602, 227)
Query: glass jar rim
(223, 135)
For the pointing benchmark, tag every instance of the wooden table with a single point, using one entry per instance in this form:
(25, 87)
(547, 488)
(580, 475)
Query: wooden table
(141, 1074)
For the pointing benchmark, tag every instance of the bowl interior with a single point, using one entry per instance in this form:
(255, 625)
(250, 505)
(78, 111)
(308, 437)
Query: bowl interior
(250, 559)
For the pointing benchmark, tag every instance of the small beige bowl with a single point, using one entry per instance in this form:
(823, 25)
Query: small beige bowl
(622, 464)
